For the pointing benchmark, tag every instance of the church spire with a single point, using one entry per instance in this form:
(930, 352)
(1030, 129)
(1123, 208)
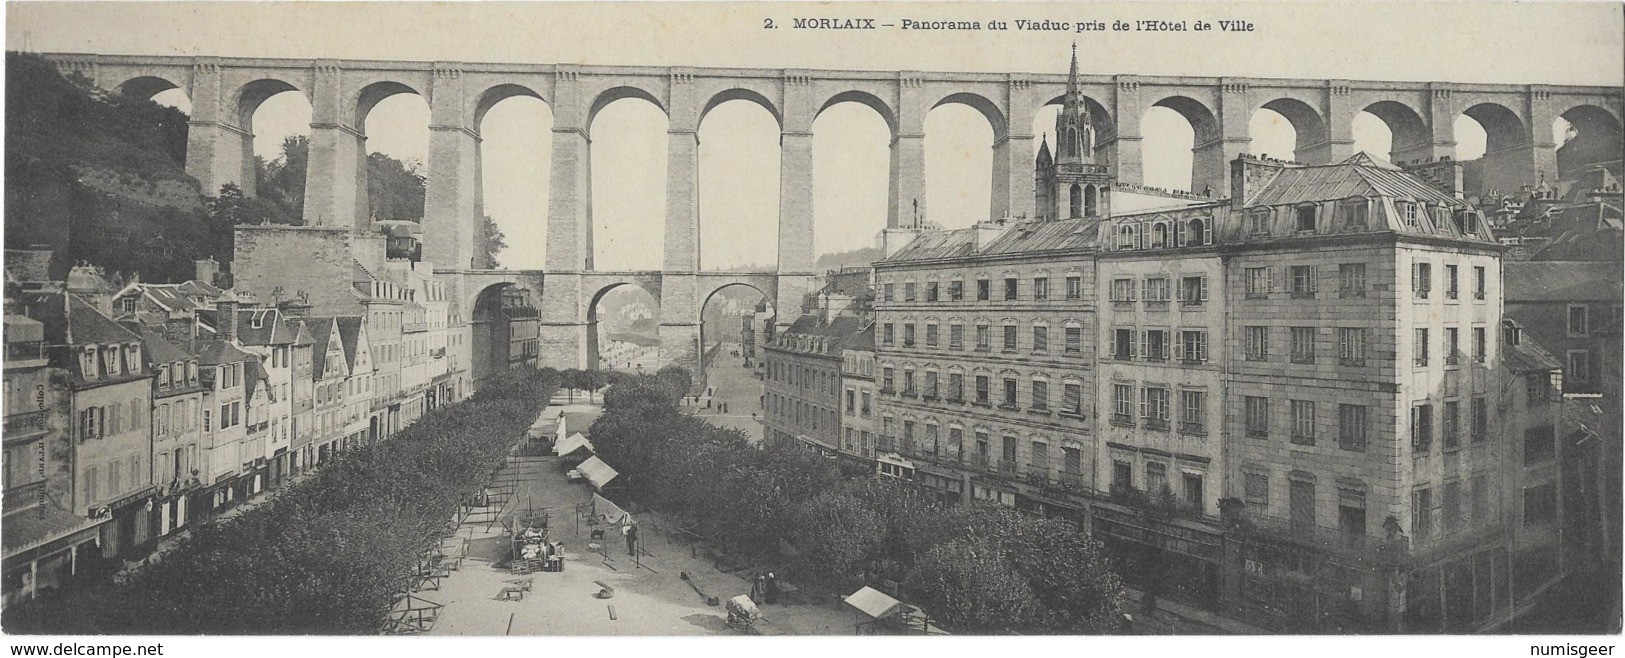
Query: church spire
(1072, 82)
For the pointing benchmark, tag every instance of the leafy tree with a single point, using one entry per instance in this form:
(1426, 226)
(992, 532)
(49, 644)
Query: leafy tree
(969, 585)
(491, 243)
(395, 189)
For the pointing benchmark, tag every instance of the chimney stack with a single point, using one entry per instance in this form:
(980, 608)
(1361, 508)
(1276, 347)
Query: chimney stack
(208, 271)
(225, 320)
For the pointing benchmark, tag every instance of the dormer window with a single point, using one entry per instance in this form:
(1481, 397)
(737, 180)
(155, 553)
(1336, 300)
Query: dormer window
(110, 360)
(258, 320)
(1469, 223)
(1159, 235)
(87, 363)
(1195, 232)
(163, 376)
(1305, 219)
(1410, 213)
(1258, 223)
(191, 372)
(1125, 237)
(1355, 214)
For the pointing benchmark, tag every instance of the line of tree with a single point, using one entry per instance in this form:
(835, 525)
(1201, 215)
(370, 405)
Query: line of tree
(976, 568)
(325, 555)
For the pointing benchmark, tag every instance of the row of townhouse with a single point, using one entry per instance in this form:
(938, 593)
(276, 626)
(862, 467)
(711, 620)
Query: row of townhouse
(1299, 406)
(133, 413)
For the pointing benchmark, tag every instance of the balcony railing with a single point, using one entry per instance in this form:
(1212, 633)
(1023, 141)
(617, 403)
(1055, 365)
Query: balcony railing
(1007, 466)
(886, 444)
(979, 461)
(1038, 475)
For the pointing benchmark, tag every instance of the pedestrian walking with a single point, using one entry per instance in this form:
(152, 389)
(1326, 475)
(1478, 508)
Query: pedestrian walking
(771, 588)
(758, 588)
(631, 540)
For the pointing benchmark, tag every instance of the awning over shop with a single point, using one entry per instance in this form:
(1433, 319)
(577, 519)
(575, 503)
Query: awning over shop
(597, 472)
(571, 444)
(874, 603)
(37, 526)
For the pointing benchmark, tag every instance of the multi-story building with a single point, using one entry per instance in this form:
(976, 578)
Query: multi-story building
(302, 400)
(802, 385)
(354, 425)
(223, 372)
(858, 396)
(268, 334)
(986, 362)
(177, 426)
(1573, 309)
(44, 533)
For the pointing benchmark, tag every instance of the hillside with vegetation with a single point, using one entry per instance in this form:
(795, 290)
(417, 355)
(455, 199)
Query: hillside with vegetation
(100, 177)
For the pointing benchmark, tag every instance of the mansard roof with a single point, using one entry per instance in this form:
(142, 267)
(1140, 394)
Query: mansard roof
(1047, 236)
(1360, 175)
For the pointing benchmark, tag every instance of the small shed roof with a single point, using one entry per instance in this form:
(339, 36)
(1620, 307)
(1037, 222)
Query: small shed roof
(597, 472)
(571, 444)
(874, 603)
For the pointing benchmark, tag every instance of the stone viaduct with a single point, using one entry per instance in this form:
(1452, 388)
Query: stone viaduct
(225, 92)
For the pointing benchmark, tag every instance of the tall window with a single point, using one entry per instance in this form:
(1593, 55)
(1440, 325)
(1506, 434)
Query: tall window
(1451, 286)
(931, 335)
(1193, 346)
(1421, 279)
(1351, 346)
(1354, 213)
(1258, 417)
(1009, 338)
(1259, 282)
(888, 334)
(1451, 521)
(1351, 426)
(984, 337)
(1193, 290)
(1156, 477)
(888, 292)
(1421, 514)
(1303, 281)
(1009, 392)
(1452, 346)
(1303, 344)
(956, 336)
(1351, 280)
(1122, 290)
(1154, 406)
(1123, 344)
(1074, 287)
(1579, 367)
(1258, 223)
(1122, 403)
(1450, 424)
(1193, 412)
(983, 286)
(983, 383)
(1156, 344)
(1156, 289)
(1040, 395)
(908, 291)
(1074, 340)
(1421, 348)
(1303, 422)
(1010, 284)
(956, 387)
(1478, 282)
(1579, 320)
(956, 290)
(1422, 427)
(1072, 398)
(1258, 343)
(908, 334)
(931, 383)
(1040, 339)
(1041, 288)
(931, 291)
(888, 380)
(1122, 474)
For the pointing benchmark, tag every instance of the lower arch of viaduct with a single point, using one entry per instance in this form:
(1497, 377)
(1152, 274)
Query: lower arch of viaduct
(225, 91)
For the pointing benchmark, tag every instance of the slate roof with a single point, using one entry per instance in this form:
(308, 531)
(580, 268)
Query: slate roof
(1527, 356)
(253, 374)
(349, 327)
(87, 325)
(216, 352)
(320, 331)
(1046, 236)
(155, 347)
(863, 341)
(1360, 175)
(938, 244)
(1561, 281)
(273, 328)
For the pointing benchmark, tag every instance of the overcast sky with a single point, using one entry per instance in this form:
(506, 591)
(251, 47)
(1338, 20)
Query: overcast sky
(1548, 43)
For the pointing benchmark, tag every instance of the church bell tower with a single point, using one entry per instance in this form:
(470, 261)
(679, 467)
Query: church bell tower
(1070, 184)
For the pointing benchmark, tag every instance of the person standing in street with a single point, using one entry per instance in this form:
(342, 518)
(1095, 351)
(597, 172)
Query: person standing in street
(632, 540)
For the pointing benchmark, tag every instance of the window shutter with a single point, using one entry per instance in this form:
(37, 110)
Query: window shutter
(1269, 275)
(1201, 345)
(1145, 402)
(1145, 289)
(1165, 338)
(1179, 234)
(1179, 290)
(1113, 337)
(1416, 277)
(1138, 239)
(1204, 288)
(1179, 349)
(1142, 347)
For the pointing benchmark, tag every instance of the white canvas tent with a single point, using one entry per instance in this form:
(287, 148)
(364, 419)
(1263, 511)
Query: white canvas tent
(873, 603)
(571, 444)
(597, 472)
